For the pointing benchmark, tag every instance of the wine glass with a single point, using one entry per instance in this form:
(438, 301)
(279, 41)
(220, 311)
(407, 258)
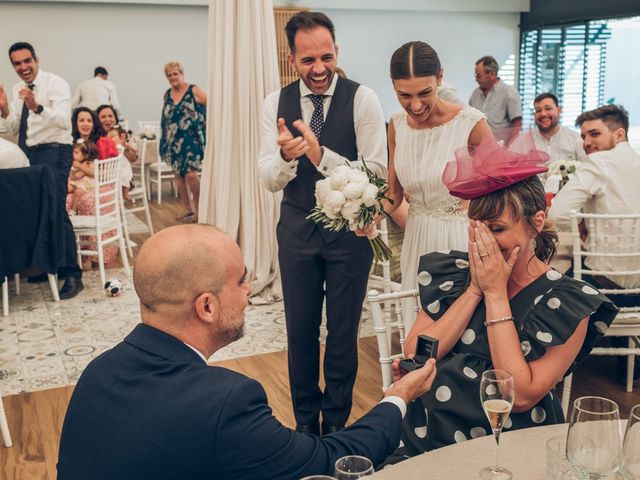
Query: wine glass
(630, 465)
(593, 441)
(353, 466)
(497, 391)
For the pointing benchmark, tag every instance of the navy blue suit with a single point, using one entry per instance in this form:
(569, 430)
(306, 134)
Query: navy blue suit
(150, 408)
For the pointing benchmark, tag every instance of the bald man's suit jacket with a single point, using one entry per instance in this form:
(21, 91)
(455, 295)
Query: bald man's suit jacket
(151, 408)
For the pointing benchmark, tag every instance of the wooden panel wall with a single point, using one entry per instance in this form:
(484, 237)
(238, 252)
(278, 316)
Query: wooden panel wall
(282, 16)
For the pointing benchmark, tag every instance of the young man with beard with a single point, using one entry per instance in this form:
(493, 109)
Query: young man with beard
(152, 408)
(310, 127)
(561, 143)
(605, 182)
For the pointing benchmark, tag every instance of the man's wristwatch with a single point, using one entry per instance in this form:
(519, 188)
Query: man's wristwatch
(39, 109)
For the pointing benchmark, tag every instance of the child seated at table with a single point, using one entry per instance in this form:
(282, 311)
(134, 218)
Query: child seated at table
(81, 175)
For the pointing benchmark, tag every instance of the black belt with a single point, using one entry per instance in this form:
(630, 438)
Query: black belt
(44, 146)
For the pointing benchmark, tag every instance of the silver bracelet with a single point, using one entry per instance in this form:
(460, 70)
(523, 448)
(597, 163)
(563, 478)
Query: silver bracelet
(498, 320)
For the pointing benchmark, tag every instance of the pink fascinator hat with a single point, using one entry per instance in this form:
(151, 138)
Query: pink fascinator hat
(491, 166)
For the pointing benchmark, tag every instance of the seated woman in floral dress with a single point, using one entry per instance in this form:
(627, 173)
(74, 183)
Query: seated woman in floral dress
(499, 306)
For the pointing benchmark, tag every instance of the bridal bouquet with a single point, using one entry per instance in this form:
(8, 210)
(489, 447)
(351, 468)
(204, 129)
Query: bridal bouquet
(350, 198)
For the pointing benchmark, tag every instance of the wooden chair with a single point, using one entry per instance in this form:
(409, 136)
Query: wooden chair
(158, 170)
(107, 194)
(612, 238)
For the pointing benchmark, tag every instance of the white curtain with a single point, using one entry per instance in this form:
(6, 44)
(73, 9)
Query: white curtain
(243, 69)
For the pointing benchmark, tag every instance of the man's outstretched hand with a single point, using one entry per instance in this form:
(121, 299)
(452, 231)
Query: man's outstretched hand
(409, 386)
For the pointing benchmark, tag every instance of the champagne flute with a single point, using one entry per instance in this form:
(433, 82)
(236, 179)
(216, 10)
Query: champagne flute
(593, 441)
(353, 466)
(630, 466)
(497, 391)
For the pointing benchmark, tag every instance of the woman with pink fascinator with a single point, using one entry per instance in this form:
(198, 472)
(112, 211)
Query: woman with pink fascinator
(500, 306)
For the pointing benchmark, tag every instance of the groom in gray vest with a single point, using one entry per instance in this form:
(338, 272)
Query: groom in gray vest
(310, 127)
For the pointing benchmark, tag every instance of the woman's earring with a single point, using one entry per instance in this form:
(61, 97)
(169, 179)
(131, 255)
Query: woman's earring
(533, 244)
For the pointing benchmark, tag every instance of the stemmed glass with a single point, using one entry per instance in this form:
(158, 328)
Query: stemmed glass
(353, 466)
(497, 391)
(593, 441)
(630, 466)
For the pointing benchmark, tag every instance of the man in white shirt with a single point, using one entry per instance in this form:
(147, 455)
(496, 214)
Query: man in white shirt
(11, 156)
(97, 91)
(40, 115)
(497, 100)
(561, 143)
(606, 182)
(309, 127)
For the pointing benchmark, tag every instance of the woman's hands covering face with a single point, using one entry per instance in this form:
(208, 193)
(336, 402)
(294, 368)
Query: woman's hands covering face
(489, 270)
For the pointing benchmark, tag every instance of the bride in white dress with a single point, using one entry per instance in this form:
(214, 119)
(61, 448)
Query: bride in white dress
(422, 139)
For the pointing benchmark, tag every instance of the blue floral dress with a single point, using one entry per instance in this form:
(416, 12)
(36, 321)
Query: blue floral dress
(546, 313)
(183, 133)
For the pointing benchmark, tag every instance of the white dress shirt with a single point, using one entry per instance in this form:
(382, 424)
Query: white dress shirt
(53, 125)
(95, 92)
(565, 144)
(606, 182)
(371, 138)
(11, 156)
(501, 106)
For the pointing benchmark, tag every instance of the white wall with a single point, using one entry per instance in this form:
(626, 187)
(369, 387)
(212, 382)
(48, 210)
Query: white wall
(134, 41)
(367, 39)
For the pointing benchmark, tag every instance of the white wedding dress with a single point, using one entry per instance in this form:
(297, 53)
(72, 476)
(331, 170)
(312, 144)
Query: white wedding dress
(436, 220)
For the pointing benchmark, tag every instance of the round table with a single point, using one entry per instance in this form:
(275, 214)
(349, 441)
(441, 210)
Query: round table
(521, 451)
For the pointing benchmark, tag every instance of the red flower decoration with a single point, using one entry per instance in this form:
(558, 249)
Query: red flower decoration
(490, 166)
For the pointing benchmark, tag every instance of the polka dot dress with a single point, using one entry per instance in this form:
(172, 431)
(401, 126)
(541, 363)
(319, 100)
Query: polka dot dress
(546, 314)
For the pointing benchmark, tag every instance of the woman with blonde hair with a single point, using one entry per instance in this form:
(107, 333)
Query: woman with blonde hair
(183, 136)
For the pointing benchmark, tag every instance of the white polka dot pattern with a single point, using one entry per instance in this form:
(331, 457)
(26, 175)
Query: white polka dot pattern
(446, 286)
(538, 415)
(508, 423)
(537, 299)
(554, 275)
(477, 432)
(424, 278)
(434, 307)
(491, 390)
(421, 432)
(459, 437)
(469, 372)
(589, 290)
(468, 336)
(525, 346)
(462, 264)
(601, 327)
(554, 303)
(545, 337)
(443, 393)
(444, 252)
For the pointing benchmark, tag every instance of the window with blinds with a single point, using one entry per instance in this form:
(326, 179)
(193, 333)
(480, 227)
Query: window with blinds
(281, 16)
(567, 61)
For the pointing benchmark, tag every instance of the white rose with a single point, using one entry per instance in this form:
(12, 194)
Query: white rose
(323, 187)
(335, 199)
(353, 191)
(350, 210)
(331, 213)
(342, 169)
(358, 176)
(369, 195)
(338, 179)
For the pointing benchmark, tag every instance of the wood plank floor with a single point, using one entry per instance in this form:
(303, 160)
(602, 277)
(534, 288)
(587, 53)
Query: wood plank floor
(35, 419)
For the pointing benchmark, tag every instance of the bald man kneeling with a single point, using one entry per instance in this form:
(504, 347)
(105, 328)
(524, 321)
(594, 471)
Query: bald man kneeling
(151, 407)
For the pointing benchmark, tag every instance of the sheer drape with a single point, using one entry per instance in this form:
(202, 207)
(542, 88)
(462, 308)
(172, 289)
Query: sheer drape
(243, 69)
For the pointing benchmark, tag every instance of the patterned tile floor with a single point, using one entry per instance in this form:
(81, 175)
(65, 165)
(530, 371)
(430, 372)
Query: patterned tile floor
(44, 344)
